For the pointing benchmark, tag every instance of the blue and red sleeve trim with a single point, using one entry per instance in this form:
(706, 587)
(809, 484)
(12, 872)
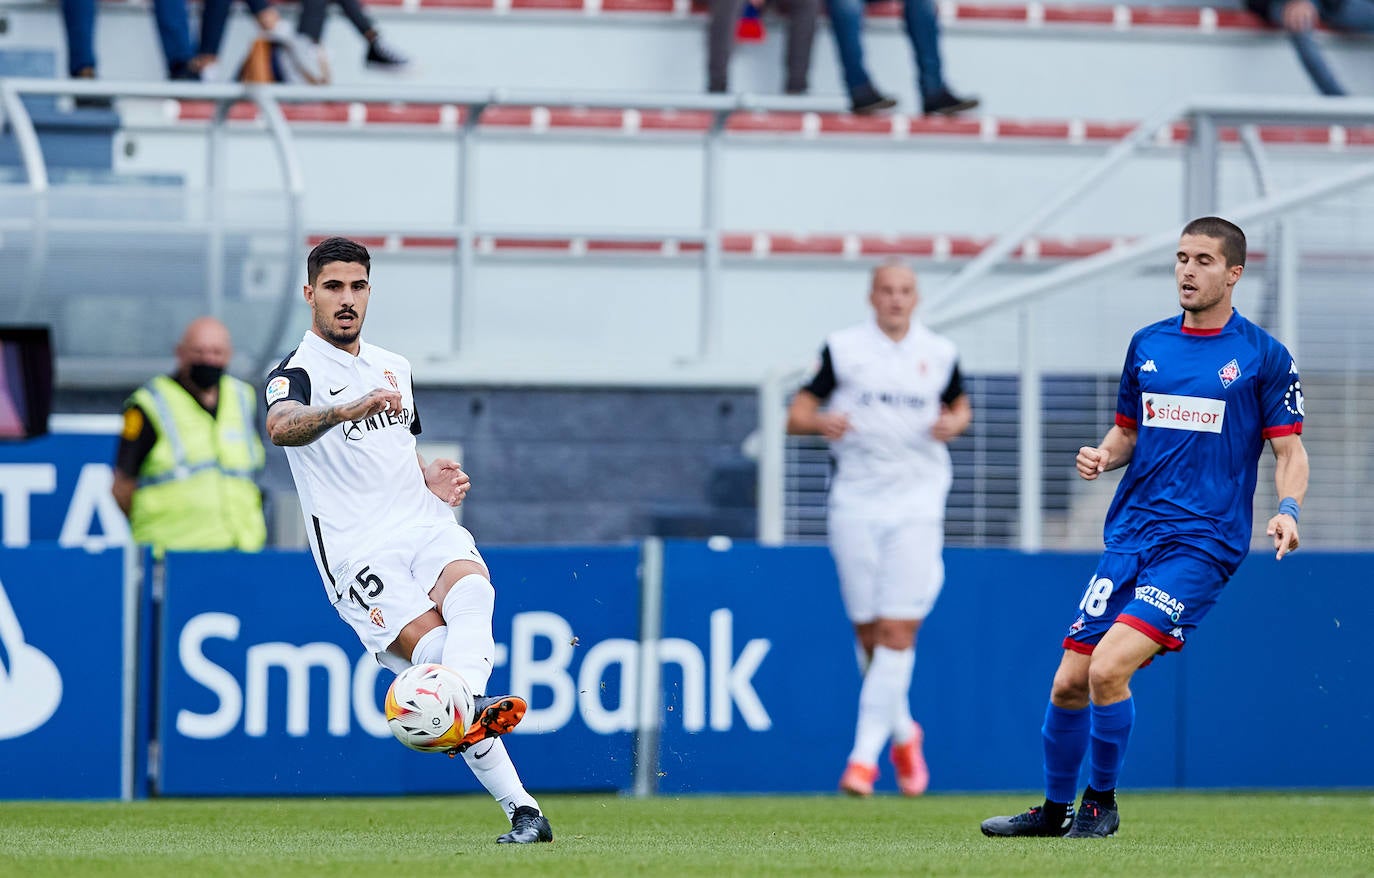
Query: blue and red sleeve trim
(1282, 430)
(1126, 423)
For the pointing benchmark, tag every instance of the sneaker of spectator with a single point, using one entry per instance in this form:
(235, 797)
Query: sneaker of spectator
(867, 100)
(91, 102)
(302, 53)
(381, 55)
(946, 103)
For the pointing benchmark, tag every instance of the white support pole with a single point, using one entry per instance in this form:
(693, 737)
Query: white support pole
(1030, 451)
(650, 701)
(133, 577)
(1286, 280)
(772, 455)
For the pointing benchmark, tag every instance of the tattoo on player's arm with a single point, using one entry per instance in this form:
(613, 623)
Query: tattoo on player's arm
(300, 424)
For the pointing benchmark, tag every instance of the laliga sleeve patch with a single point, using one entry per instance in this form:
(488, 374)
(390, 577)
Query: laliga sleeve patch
(277, 389)
(133, 423)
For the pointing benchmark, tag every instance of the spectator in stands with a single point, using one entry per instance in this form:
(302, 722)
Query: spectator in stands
(173, 30)
(923, 29)
(381, 55)
(215, 15)
(801, 33)
(1301, 17)
(189, 450)
(893, 399)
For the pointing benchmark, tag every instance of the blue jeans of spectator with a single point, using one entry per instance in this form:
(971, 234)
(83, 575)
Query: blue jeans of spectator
(214, 16)
(1353, 16)
(922, 28)
(173, 30)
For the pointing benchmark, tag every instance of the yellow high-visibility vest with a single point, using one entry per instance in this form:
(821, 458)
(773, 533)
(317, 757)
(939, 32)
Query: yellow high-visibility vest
(195, 488)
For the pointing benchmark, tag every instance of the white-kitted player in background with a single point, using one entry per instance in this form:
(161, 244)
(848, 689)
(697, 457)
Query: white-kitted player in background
(396, 565)
(892, 400)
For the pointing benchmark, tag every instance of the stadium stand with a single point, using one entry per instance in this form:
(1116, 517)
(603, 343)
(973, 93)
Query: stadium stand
(590, 224)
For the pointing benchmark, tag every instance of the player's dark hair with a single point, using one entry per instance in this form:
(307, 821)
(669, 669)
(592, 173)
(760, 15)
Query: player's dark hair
(1228, 233)
(336, 250)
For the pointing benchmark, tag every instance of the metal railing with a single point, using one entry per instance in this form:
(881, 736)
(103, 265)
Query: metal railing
(269, 99)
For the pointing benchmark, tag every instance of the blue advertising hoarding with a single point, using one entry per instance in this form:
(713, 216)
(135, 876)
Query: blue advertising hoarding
(56, 488)
(261, 690)
(1281, 665)
(65, 649)
(264, 691)
(1277, 683)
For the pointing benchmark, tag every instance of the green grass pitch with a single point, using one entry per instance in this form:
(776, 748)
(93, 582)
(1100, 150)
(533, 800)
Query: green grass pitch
(1321, 834)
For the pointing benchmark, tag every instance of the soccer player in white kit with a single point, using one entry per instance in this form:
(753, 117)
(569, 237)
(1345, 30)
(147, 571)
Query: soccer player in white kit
(395, 564)
(888, 396)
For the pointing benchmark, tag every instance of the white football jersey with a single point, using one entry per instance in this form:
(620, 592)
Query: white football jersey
(888, 462)
(360, 483)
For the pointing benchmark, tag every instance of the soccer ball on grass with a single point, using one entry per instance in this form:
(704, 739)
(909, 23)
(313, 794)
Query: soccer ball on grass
(428, 708)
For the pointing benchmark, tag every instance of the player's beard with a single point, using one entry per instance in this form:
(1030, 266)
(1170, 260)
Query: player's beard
(336, 334)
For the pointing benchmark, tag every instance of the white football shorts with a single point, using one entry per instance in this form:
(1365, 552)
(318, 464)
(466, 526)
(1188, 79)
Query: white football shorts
(383, 590)
(890, 568)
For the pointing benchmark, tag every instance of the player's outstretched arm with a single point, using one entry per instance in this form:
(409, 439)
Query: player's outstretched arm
(1291, 470)
(1114, 452)
(293, 423)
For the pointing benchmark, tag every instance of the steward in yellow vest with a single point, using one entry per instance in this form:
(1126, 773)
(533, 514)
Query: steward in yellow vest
(188, 453)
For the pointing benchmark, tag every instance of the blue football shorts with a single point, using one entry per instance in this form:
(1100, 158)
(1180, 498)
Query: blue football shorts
(1162, 591)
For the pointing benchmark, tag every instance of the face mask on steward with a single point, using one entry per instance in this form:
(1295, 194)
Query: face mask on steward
(205, 375)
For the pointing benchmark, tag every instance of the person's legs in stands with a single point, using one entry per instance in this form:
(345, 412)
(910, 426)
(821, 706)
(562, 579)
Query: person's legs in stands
(1351, 16)
(801, 34)
(311, 23)
(78, 17)
(720, 39)
(174, 32)
(353, 11)
(846, 21)
(214, 16)
(1309, 55)
(923, 29)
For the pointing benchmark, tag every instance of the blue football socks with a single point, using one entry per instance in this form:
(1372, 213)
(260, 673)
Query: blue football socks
(1111, 729)
(1066, 741)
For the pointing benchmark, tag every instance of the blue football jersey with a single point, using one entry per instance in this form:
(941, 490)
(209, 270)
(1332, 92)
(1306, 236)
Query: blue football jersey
(1204, 402)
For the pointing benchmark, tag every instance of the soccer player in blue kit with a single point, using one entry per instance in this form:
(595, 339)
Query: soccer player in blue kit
(1200, 394)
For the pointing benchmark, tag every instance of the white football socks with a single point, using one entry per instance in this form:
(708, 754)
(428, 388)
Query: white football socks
(886, 683)
(903, 723)
(490, 764)
(429, 649)
(862, 657)
(469, 647)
